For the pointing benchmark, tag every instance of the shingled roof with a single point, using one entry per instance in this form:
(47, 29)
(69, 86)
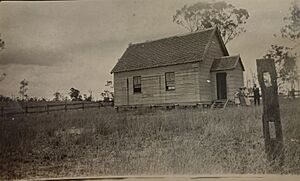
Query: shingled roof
(167, 51)
(226, 63)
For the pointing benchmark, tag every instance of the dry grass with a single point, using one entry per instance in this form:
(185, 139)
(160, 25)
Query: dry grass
(104, 142)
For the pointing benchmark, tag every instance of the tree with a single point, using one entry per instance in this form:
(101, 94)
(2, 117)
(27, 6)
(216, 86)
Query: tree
(108, 95)
(284, 56)
(57, 96)
(65, 98)
(5, 99)
(74, 94)
(291, 30)
(80, 98)
(202, 15)
(33, 99)
(2, 43)
(2, 77)
(88, 97)
(23, 89)
(286, 64)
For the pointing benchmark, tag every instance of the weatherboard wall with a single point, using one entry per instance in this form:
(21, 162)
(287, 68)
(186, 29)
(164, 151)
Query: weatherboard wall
(153, 86)
(235, 80)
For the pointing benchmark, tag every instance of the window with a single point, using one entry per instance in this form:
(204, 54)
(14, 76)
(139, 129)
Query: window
(137, 86)
(170, 81)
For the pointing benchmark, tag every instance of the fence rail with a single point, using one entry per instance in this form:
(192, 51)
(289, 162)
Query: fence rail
(47, 108)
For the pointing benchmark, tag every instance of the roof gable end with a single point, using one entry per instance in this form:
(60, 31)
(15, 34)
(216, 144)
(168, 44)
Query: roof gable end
(220, 41)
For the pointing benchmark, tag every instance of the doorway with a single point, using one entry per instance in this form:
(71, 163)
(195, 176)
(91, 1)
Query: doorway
(221, 85)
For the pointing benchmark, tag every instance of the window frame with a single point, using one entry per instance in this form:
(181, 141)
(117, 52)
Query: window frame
(137, 84)
(169, 87)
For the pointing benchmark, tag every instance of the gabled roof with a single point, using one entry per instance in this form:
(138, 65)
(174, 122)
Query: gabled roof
(173, 50)
(226, 63)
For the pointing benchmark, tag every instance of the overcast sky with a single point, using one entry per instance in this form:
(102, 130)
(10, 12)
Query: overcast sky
(59, 45)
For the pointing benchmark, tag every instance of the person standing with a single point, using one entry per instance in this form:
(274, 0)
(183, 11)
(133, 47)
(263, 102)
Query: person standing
(242, 96)
(246, 94)
(237, 98)
(256, 95)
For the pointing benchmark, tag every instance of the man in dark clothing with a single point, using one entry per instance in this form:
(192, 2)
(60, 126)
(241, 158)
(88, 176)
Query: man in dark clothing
(256, 95)
(293, 93)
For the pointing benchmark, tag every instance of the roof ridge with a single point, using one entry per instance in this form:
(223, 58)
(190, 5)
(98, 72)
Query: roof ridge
(173, 36)
(230, 56)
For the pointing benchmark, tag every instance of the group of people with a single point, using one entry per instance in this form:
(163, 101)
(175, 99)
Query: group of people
(241, 96)
(291, 94)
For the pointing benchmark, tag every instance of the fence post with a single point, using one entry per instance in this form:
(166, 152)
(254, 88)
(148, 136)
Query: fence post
(66, 109)
(2, 111)
(99, 105)
(83, 106)
(47, 107)
(272, 129)
(26, 109)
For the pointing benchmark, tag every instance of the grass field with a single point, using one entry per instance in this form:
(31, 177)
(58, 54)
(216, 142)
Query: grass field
(103, 142)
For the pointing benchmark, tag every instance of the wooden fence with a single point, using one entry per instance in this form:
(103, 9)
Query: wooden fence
(47, 108)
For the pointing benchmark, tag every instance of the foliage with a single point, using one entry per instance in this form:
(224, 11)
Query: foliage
(2, 77)
(34, 99)
(291, 30)
(23, 89)
(286, 64)
(285, 59)
(108, 95)
(57, 96)
(2, 43)
(65, 98)
(5, 99)
(88, 97)
(202, 15)
(75, 94)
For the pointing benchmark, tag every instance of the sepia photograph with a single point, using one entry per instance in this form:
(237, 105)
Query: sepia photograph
(155, 90)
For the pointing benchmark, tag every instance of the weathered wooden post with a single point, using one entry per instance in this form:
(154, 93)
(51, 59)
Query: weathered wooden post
(66, 108)
(272, 129)
(47, 108)
(2, 111)
(26, 109)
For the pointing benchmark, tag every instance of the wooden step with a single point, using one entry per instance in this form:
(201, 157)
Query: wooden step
(219, 104)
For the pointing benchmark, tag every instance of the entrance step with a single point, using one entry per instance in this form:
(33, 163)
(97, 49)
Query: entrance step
(219, 104)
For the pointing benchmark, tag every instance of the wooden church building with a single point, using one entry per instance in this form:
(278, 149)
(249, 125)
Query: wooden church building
(189, 69)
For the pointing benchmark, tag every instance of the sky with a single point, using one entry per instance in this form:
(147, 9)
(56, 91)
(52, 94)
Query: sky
(60, 45)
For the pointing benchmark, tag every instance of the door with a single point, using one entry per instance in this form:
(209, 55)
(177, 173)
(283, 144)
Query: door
(221, 85)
